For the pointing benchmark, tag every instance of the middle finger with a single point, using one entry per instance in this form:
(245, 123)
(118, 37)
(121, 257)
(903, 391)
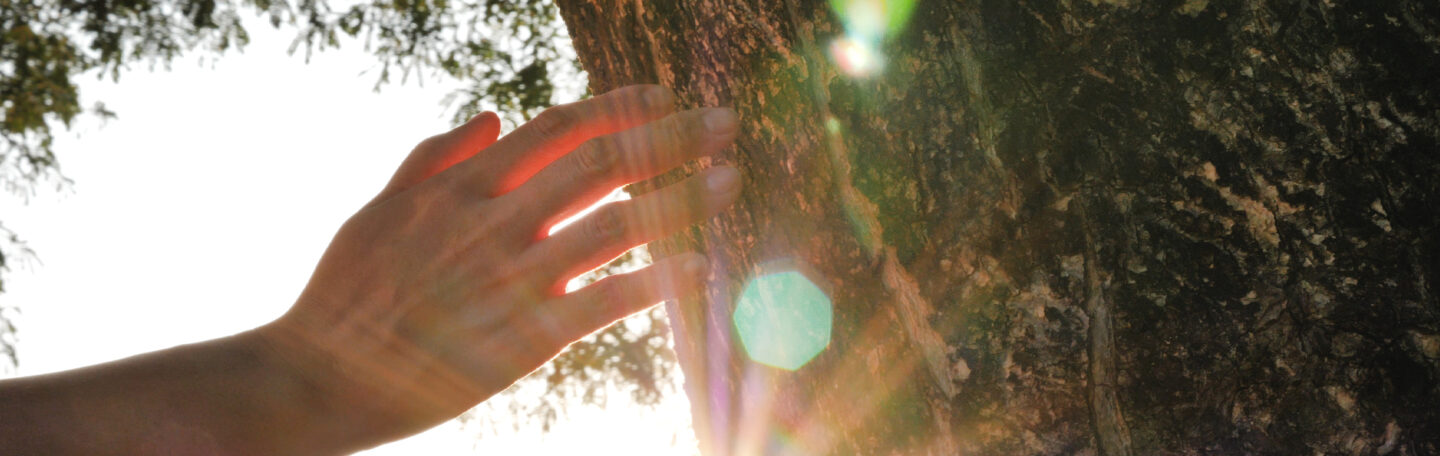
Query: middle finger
(580, 178)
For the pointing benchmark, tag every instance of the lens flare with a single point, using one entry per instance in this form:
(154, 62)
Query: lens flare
(855, 57)
(873, 20)
(783, 319)
(867, 24)
(863, 18)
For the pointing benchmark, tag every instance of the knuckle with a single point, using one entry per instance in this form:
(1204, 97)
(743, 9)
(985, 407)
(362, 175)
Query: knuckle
(556, 121)
(598, 158)
(451, 195)
(609, 296)
(423, 198)
(605, 225)
(493, 219)
(674, 131)
(545, 334)
(525, 286)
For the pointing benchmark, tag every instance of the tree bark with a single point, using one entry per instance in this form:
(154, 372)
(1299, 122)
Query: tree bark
(1067, 227)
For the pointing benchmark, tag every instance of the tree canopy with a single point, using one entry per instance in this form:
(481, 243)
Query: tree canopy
(512, 53)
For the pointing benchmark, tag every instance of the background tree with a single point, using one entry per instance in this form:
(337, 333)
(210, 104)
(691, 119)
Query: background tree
(513, 56)
(1072, 227)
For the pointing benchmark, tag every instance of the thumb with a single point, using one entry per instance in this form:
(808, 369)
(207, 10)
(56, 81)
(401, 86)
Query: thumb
(440, 152)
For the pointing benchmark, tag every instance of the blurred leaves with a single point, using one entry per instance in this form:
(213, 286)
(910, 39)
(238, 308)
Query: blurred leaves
(12, 250)
(512, 53)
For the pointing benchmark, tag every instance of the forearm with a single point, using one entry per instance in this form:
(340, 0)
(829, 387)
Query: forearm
(224, 396)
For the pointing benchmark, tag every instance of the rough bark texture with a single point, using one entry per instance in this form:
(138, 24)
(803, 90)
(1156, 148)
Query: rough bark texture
(1111, 227)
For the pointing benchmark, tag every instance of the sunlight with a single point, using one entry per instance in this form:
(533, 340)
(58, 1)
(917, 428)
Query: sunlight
(783, 319)
(855, 57)
(867, 24)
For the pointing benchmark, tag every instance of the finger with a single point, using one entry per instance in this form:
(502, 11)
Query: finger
(581, 178)
(575, 315)
(559, 130)
(440, 152)
(616, 227)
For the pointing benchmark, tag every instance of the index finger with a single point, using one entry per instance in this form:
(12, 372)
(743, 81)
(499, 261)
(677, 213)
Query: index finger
(558, 130)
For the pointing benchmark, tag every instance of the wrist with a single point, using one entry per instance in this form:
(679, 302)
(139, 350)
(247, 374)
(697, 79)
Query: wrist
(329, 403)
(349, 392)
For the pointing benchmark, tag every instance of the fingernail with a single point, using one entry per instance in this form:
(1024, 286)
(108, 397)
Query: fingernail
(696, 265)
(657, 97)
(723, 179)
(720, 121)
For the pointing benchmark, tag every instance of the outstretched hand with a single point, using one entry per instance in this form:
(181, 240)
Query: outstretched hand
(446, 288)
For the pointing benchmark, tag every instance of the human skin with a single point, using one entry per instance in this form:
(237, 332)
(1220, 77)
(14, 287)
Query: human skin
(440, 292)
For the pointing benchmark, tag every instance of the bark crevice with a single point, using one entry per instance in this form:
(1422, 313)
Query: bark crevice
(1105, 412)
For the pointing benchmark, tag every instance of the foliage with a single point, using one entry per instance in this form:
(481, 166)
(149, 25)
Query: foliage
(515, 55)
(9, 242)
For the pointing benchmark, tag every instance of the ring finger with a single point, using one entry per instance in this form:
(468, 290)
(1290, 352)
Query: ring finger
(617, 227)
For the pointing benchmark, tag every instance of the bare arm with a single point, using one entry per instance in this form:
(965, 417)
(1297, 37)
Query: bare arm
(224, 396)
(440, 292)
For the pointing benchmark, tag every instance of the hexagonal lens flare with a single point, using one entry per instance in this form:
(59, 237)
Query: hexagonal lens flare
(783, 319)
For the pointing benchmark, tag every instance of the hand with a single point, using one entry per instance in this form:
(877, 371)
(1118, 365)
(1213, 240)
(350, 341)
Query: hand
(445, 289)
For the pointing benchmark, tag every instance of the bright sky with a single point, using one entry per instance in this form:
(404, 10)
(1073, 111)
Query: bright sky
(201, 211)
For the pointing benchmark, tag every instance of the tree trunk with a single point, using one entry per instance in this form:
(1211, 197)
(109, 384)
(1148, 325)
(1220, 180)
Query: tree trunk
(1110, 227)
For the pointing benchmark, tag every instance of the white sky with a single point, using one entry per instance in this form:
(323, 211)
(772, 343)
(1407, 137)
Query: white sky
(201, 211)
